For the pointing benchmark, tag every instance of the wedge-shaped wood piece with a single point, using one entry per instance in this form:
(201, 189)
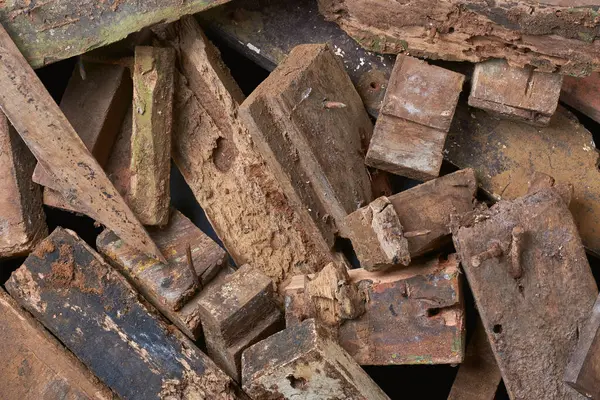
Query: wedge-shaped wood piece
(583, 370)
(308, 104)
(92, 309)
(478, 376)
(60, 151)
(517, 93)
(95, 107)
(422, 302)
(423, 212)
(582, 94)
(35, 365)
(302, 361)
(22, 219)
(236, 314)
(215, 154)
(153, 85)
(173, 287)
(533, 288)
(414, 119)
(513, 151)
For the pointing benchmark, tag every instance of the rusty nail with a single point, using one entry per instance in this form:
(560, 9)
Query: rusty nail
(190, 263)
(516, 270)
(494, 251)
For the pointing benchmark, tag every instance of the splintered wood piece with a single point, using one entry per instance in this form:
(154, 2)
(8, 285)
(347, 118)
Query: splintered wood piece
(306, 105)
(171, 287)
(582, 94)
(153, 85)
(414, 119)
(97, 314)
(302, 362)
(513, 151)
(60, 151)
(35, 365)
(423, 213)
(236, 314)
(583, 369)
(422, 302)
(516, 93)
(216, 156)
(533, 288)
(22, 219)
(95, 107)
(478, 376)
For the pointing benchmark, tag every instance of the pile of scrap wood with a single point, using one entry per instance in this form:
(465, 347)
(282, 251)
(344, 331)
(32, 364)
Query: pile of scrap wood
(363, 203)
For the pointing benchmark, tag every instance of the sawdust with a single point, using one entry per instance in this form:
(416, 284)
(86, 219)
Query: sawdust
(44, 248)
(66, 273)
(208, 386)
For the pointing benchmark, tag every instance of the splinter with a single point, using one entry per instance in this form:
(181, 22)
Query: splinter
(516, 270)
(494, 251)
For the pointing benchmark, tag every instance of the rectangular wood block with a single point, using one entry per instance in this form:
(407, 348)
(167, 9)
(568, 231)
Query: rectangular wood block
(533, 288)
(314, 151)
(582, 94)
(236, 314)
(98, 315)
(22, 218)
(415, 117)
(302, 362)
(153, 85)
(35, 365)
(517, 93)
(423, 303)
(170, 287)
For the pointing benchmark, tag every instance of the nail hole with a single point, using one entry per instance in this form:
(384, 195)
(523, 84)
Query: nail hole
(374, 85)
(497, 328)
(432, 312)
(450, 30)
(296, 383)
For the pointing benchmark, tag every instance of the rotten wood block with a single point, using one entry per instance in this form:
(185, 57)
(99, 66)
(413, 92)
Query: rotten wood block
(414, 119)
(423, 213)
(583, 369)
(60, 151)
(306, 105)
(153, 85)
(423, 302)
(95, 107)
(35, 365)
(22, 218)
(582, 94)
(236, 314)
(478, 376)
(516, 93)
(511, 152)
(244, 202)
(533, 287)
(558, 36)
(302, 361)
(98, 315)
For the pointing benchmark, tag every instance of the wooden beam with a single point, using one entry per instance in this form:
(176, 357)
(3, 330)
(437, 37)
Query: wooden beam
(533, 287)
(60, 151)
(92, 309)
(153, 85)
(306, 105)
(581, 94)
(22, 219)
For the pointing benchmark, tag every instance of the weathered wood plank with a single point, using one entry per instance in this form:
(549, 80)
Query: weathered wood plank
(508, 154)
(35, 365)
(215, 154)
(516, 93)
(306, 105)
(94, 311)
(60, 151)
(422, 302)
(153, 86)
(302, 361)
(22, 219)
(414, 119)
(46, 32)
(582, 94)
(551, 38)
(533, 287)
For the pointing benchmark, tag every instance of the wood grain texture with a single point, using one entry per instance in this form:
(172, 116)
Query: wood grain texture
(532, 318)
(582, 94)
(153, 85)
(98, 315)
(36, 366)
(22, 218)
(549, 37)
(290, 124)
(60, 151)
